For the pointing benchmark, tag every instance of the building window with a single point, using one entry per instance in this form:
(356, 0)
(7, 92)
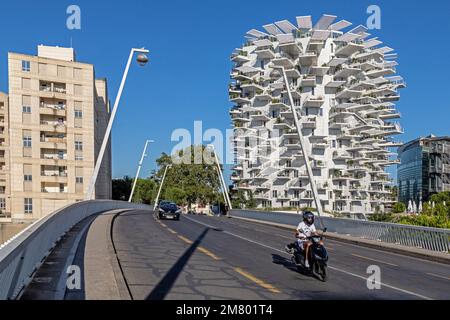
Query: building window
(26, 66)
(78, 114)
(27, 142)
(61, 188)
(275, 194)
(79, 180)
(79, 157)
(2, 204)
(78, 145)
(26, 109)
(28, 205)
(28, 177)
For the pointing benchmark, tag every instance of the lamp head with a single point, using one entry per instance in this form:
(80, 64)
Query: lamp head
(142, 59)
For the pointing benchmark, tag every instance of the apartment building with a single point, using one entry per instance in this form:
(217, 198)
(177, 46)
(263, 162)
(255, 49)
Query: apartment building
(5, 211)
(58, 113)
(344, 90)
(424, 168)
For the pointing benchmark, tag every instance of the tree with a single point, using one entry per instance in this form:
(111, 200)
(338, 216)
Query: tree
(190, 179)
(121, 188)
(145, 191)
(399, 207)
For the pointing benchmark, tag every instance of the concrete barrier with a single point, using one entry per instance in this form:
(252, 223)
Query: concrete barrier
(23, 254)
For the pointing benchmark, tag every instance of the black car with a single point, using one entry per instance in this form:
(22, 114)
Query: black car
(168, 210)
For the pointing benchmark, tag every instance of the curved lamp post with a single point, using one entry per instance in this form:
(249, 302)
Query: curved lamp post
(142, 60)
(222, 181)
(144, 154)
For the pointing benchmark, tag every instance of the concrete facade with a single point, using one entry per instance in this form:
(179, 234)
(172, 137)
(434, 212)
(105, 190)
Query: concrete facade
(5, 210)
(58, 114)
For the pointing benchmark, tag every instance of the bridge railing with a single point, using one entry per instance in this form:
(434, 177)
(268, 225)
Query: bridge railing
(23, 254)
(433, 239)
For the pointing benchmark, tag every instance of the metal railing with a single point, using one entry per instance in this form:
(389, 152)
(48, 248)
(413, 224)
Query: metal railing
(432, 239)
(23, 254)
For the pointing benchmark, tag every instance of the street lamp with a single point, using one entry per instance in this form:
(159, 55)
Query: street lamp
(161, 185)
(139, 168)
(222, 181)
(142, 59)
(300, 138)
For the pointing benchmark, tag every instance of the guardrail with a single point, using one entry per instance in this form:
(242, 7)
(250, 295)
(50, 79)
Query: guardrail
(23, 254)
(433, 239)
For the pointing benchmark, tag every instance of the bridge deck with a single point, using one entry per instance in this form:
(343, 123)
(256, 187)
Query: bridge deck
(220, 258)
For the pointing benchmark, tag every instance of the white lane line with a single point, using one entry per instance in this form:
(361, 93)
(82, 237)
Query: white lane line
(376, 260)
(438, 276)
(333, 268)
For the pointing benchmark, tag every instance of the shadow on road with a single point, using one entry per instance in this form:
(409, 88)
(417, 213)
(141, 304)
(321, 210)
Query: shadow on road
(166, 283)
(288, 264)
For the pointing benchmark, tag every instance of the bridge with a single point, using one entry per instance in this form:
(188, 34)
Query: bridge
(121, 251)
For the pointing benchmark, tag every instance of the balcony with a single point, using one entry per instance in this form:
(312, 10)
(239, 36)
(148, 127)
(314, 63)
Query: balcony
(308, 81)
(314, 101)
(53, 125)
(240, 99)
(54, 176)
(240, 56)
(265, 52)
(52, 88)
(308, 58)
(347, 49)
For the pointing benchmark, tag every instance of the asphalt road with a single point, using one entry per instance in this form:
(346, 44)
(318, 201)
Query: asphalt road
(203, 257)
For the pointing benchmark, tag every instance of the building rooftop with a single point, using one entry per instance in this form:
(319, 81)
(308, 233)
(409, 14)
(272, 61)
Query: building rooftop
(58, 53)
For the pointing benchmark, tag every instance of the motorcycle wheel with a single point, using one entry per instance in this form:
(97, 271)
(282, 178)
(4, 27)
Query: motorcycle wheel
(323, 275)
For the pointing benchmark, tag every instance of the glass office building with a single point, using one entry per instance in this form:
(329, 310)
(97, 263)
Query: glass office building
(424, 168)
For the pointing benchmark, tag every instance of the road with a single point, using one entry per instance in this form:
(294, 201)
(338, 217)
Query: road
(203, 257)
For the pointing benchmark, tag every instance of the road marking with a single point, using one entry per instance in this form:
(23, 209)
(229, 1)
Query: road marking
(185, 239)
(438, 276)
(164, 225)
(383, 284)
(330, 267)
(172, 231)
(208, 253)
(259, 282)
(376, 260)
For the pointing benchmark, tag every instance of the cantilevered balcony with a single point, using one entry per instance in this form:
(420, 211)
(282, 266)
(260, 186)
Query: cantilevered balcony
(314, 101)
(265, 52)
(240, 99)
(240, 56)
(308, 58)
(347, 49)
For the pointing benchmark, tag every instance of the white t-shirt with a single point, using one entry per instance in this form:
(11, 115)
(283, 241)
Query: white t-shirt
(306, 230)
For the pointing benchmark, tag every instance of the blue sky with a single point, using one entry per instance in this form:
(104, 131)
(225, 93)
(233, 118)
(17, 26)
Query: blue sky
(190, 43)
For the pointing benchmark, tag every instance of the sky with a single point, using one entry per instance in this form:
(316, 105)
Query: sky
(190, 43)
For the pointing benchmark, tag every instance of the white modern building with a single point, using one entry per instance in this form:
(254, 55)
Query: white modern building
(344, 88)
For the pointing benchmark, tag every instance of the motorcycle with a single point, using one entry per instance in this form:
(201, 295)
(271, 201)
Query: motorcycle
(317, 258)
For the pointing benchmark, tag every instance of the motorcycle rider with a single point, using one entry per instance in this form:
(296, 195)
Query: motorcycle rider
(305, 229)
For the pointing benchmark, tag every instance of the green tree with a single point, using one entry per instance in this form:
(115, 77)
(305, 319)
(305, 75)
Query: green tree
(193, 177)
(145, 191)
(121, 188)
(398, 207)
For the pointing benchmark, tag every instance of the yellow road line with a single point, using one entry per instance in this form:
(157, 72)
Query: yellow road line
(257, 281)
(185, 239)
(208, 253)
(438, 276)
(376, 260)
(172, 231)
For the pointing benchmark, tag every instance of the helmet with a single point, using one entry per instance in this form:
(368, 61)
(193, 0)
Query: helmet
(308, 217)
